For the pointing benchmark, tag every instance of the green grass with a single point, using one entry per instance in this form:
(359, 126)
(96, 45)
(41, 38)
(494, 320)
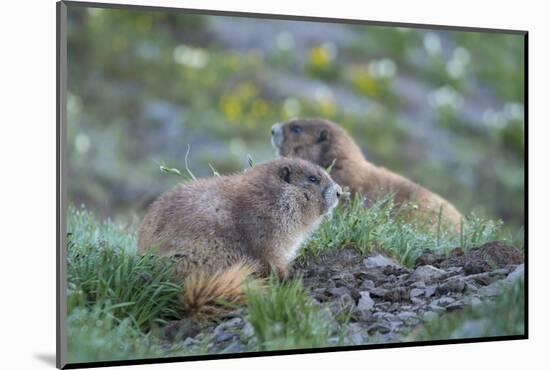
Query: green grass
(284, 317)
(381, 227)
(116, 300)
(95, 334)
(114, 296)
(99, 271)
(505, 316)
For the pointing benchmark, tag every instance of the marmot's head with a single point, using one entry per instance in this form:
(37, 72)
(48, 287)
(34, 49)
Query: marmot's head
(308, 185)
(313, 139)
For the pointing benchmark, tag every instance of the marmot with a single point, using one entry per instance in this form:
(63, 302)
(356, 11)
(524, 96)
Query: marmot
(221, 229)
(325, 143)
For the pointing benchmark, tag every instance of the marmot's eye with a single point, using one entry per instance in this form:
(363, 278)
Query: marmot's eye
(296, 129)
(313, 179)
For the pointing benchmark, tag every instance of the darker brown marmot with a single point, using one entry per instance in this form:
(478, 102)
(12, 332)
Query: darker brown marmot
(325, 143)
(221, 228)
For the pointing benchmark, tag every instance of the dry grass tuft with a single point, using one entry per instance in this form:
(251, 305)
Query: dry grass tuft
(207, 296)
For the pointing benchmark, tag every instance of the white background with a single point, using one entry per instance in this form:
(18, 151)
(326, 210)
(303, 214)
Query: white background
(27, 196)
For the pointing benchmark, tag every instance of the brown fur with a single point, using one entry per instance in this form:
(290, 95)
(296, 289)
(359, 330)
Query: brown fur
(256, 218)
(323, 142)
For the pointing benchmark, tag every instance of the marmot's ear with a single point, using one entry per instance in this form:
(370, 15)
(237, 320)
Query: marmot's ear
(284, 173)
(322, 136)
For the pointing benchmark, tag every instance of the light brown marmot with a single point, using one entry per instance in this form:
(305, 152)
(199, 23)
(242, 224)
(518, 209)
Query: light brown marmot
(221, 228)
(325, 143)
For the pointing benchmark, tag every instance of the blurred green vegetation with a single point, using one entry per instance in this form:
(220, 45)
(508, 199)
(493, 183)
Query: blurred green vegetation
(504, 316)
(443, 108)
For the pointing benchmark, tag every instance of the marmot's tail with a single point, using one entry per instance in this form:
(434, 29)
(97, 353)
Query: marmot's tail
(206, 296)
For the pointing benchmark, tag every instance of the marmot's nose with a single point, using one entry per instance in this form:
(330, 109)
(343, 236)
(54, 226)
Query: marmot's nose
(338, 191)
(275, 129)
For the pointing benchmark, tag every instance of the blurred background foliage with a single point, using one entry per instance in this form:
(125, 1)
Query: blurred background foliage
(444, 108)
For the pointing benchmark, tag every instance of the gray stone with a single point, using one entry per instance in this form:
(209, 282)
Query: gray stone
(419, 284)
(518, 273)
(381, 327)
(404, 315)
(247, 330)
(340, 291)
(418, 301)
(175, 330)
(454, 286)
(472, 300)
(379, 261)
(222, 335)
(355, 333)
(457, 305)
(442, 302)
(367, 285)
(365, 302)
(493, 289)
(235, 322)
(343, 305)
(189, 341)
(382, 306)
(427, 272)
(416, 292)
(378, 292)
(235, 347)
(430, 291)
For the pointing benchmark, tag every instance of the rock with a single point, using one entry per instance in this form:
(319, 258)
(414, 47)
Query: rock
(471, 288)
(427, 258)
(404, 315)
(340, 291)
(472, 300)
(416, 292)
(418, 302)
(518, 273)
(430, 291)
(378, 292)
(475, 267)
(189, 341)
(382, 306)
(457, 305)
(235, 347)
(355, 334)
(365, 302)
(247, 330)
(427, 272)
(381, 327)
(367, 285)
(482, 278)
(344, 305)
(441, 303)
(491, 290)
(222, 335)
(175, 330)
(451, 286)
(236, 322)
(397, 294)
(419, 284)
(379, 261)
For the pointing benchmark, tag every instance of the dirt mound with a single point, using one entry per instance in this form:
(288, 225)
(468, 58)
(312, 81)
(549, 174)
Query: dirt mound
(384, 299)
(486, 257)
(378, 298)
